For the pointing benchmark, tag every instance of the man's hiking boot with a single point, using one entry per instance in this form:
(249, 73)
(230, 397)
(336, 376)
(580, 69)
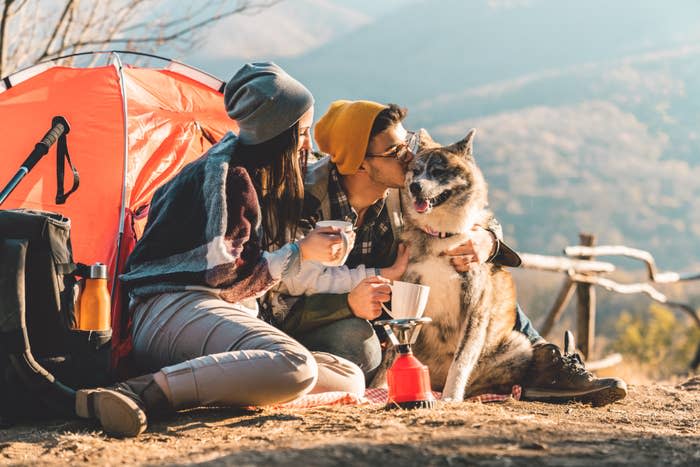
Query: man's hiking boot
(560, 377)
(122, 408)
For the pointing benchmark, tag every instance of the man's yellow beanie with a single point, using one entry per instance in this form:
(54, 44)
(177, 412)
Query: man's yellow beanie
(343, 132)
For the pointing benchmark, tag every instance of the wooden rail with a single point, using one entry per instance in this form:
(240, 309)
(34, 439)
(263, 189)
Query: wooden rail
(583, 272)
(665, 277)
(562, 264)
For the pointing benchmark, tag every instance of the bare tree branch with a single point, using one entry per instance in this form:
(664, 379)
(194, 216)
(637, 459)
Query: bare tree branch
(161, 39)
(19, 50)
(3, 29)
(18, 6)
(36, 30)
(183, 19)
(92, 22)
(65, 19)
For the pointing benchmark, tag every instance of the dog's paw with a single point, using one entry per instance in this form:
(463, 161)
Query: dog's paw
(453, 390)
(452, 396)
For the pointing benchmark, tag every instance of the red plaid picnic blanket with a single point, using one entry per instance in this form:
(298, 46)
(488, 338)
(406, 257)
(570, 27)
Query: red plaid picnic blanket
(378, 396)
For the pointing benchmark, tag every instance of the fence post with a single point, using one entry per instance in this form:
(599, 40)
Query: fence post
(565, 294)
(585, 316)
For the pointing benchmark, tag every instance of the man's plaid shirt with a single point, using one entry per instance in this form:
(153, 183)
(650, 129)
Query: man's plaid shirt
(373, 239)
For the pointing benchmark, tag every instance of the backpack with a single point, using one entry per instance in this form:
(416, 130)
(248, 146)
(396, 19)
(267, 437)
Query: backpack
(43, 359)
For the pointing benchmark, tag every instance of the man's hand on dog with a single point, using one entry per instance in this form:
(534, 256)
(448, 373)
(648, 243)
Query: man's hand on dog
(365, 300)
(477, 249)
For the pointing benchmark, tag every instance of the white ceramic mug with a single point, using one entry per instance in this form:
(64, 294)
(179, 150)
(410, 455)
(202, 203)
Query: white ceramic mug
(407, 300)
(345, 234)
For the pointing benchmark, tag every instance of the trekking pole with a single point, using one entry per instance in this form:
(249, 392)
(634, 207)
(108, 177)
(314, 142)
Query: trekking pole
(59, 126)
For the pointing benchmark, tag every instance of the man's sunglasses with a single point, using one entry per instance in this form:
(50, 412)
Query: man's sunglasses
(400, 150)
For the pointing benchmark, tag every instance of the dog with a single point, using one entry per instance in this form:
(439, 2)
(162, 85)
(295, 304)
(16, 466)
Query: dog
(470, 347)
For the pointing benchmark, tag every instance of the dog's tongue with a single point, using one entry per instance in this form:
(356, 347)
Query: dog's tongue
(421, 205)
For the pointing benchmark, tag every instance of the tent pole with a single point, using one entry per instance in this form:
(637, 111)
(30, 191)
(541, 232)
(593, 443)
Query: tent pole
(116, 61)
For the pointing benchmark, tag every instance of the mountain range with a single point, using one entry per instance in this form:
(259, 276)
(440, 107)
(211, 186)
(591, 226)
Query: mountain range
(587, 113)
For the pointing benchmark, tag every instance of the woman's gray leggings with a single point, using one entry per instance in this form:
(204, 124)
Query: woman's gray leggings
(217, 353)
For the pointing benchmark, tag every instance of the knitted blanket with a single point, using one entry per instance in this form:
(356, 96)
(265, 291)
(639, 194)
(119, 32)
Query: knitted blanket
(198, 231)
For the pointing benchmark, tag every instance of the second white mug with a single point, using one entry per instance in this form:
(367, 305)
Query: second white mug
(408, 300)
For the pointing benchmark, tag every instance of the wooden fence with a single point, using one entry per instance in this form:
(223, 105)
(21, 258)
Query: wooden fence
(583, 271)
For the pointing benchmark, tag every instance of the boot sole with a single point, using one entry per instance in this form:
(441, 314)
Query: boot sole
(118, 414)
(596, 397)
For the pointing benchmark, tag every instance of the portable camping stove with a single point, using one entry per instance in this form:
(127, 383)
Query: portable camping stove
(408, 378)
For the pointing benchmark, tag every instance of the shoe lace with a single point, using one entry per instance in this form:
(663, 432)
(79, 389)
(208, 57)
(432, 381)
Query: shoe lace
(573, 364)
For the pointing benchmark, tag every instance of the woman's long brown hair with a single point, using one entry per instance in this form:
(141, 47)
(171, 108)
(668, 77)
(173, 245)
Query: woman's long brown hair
(274, 167)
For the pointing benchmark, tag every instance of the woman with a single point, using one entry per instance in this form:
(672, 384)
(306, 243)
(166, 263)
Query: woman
(216, 239)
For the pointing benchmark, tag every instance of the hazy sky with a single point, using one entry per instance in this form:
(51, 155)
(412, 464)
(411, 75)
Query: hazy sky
(587, 111)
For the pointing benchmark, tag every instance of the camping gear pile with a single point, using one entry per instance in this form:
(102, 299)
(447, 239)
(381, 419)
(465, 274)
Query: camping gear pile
(128, 129)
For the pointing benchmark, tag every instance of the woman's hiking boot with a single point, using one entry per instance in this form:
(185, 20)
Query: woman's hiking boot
(560, 377)
(122, 408)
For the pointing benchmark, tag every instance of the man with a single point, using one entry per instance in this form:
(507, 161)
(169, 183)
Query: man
(368, 151)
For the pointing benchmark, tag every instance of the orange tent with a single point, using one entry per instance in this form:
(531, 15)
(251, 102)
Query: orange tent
(131, 129)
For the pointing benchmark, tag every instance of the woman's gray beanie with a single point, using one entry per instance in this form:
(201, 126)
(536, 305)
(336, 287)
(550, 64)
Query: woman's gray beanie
(264, 100)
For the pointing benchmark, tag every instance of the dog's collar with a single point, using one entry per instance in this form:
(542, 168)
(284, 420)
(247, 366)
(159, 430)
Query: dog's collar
(435, 233)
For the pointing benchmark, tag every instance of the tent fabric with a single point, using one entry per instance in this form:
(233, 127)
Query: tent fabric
(91, 102)
(168, 115)
(171, 119)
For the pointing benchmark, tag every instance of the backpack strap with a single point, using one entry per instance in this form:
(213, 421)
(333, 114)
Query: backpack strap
(73, 269)
(13, 253)
(61, 157)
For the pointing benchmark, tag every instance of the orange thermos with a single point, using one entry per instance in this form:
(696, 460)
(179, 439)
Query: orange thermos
(94, 304)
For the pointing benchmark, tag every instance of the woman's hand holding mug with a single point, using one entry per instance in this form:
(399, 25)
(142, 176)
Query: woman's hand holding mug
(334, 240)
(323, 244)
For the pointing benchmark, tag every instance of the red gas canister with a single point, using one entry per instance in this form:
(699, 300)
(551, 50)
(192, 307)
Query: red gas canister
(409, 382)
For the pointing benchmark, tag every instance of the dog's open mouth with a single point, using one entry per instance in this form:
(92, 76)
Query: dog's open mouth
(422, 205)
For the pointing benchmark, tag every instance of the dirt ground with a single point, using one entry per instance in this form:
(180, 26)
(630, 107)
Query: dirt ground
(657, 424)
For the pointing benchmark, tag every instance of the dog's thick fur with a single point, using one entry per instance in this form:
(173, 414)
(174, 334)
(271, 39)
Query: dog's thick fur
(470, 347)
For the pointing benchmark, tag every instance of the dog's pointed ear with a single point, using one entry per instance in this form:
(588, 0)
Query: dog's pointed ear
(425, 141)
(464, 146)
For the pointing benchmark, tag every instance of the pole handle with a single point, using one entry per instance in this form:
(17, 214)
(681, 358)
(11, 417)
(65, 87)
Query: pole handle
(59, 126)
